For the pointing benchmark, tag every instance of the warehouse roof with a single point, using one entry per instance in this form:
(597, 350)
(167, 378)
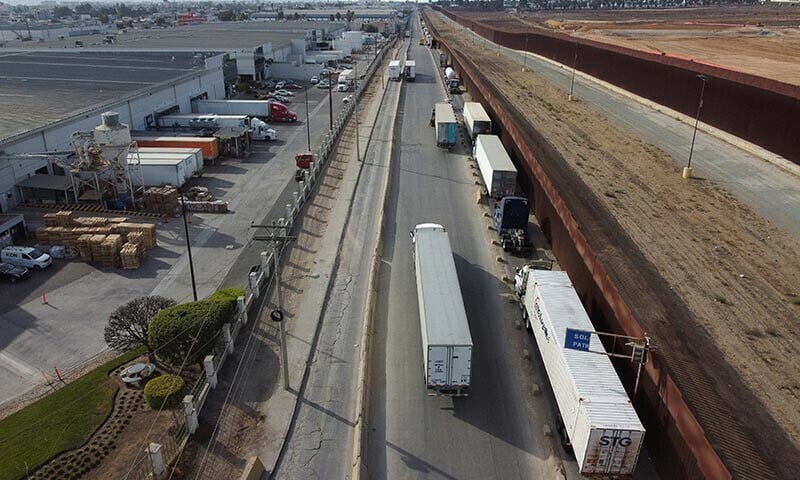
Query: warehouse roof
(210, 37)
(38, 88)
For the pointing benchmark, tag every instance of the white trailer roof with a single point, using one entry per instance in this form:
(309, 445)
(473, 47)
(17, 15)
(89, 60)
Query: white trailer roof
(476, 112)
(444, 113)
(157, 138)
(593, 376)
(208, 116)
(446, 319)
(394, 63)
(162, 161)
(411, 63)
(496, 153)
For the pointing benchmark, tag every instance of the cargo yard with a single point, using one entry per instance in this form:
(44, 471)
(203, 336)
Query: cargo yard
(710, 264)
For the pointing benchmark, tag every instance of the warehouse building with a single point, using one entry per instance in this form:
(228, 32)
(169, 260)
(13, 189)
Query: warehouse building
(54, 88)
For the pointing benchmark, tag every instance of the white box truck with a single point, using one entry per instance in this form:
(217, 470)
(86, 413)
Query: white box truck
(498, 173)
(446, 340)
(411, 70)
(445, 121)
(346, 81)
(597, 418)
(477, 120)
(395, 70)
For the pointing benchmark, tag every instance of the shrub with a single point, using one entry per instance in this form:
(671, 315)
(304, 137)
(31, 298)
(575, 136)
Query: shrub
(164, 391)
(229, 294)
(188, 331)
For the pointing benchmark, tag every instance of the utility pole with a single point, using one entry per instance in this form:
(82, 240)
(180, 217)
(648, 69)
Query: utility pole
(188, 244)
(355, 104)
(308, 123)
(687, 171)
(278, 242)
(525, 55)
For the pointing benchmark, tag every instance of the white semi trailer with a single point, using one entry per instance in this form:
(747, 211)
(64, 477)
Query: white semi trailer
(477, 120)
(597, 418)
(446, 339)
(498, 172)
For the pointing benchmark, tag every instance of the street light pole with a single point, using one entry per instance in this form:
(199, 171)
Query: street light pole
(525, 55)
(687, 171)
(330, 99)
(308, 122)
(188, 245)
(574, 67)
(355, 105)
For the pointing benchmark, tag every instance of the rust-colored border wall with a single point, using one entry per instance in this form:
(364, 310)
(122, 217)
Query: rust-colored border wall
(760, 110)
(673, 431)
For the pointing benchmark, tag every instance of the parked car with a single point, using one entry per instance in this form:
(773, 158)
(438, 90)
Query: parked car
(292, 86)
(13, 273)
(280, 84)
(284, 92)
(25, 257)
(324, 84)
(314, 79)
(279, 98)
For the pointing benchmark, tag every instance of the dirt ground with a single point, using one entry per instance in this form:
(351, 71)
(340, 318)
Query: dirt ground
(763, 41)
(735, 275)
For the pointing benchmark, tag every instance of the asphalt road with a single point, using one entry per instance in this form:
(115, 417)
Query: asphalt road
(495, 432)
(768, 189)
(321, 440)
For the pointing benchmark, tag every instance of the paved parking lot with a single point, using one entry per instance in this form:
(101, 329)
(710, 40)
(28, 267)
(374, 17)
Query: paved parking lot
(68, 330)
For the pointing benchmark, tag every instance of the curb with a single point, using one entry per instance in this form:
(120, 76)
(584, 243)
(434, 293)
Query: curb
(362, 389)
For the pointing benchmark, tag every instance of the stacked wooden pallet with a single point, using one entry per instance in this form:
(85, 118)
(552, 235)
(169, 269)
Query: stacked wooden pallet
(58, 219)
(68, 236)
(129, 255)
(109, 251)
(84, 246)
(161, 199)
(147, 231)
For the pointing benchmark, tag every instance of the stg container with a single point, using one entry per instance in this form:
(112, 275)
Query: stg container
(498, 173)
(597, 415)
(476, 119)
(195, 166)
(445, 125)
(395, 70)
(446, 339)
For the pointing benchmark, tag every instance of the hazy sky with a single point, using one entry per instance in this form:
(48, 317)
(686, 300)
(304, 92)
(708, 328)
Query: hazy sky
(36, 2)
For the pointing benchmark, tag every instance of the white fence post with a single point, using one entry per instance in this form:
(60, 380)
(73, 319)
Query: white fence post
(190, 413)
(156, 458)
(242, 307)
(226, 334)
(211, 373)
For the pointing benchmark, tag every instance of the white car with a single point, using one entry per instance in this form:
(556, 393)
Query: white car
(285, 93)
(314, 79)
(280, 85)
(324, 84)
(280, 98)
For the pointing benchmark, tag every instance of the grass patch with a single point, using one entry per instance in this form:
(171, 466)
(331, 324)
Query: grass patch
(721, 299)
(774, 332)
(61, 421)
(795, 301)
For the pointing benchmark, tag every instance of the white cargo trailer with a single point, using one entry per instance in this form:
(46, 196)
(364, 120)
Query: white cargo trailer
(203, 120)
(187, 160)
(411, 70)
(498, 172)
(195, 168)
(476, 119)
(597, 416)
(395, 70)
(161, 171)
(446, 340)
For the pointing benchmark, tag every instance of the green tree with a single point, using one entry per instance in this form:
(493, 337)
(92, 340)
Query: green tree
(164, 391)
(371, 28)
(350, 16)
(225, 15)
(280, 15)
(296, 16)
(84, 9)
(103, 18)
(338, 16)
(129, 324)
(331, 17)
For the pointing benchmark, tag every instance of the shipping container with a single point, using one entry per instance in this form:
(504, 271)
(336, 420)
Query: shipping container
(446, 339)
(196, 154)
(162, 171)
(187, 160)
(498, 172)
(477, 120)
(208, 145)
(445, 120)
(597, 417)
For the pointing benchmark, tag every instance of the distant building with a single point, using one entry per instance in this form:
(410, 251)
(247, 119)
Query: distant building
(190, 19)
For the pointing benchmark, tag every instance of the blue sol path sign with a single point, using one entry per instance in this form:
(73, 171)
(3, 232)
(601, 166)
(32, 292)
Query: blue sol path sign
(577, 340)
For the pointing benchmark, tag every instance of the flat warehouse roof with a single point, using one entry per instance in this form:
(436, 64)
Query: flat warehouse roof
(38, 88)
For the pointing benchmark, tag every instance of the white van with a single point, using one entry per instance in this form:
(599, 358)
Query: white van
(25, 257)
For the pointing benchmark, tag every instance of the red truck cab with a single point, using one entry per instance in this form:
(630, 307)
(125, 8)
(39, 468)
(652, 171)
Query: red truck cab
(278, 112)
